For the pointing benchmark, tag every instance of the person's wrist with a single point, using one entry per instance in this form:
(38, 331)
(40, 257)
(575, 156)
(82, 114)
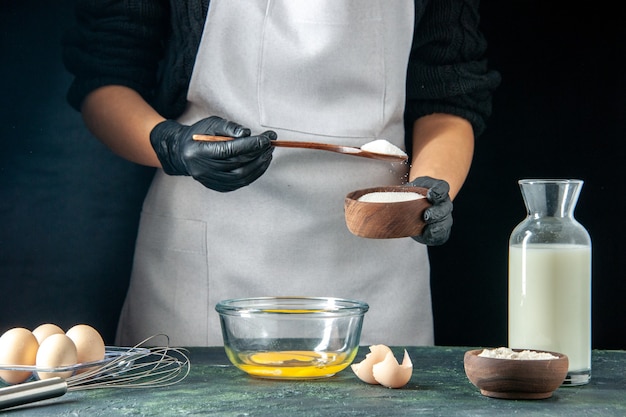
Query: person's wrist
(161, 138)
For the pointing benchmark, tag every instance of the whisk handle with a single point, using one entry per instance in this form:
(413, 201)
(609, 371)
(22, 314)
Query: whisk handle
(29, 392)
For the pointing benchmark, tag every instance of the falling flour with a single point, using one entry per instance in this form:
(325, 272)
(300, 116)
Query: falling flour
(381, 146)
(389, 196)
(507, 353)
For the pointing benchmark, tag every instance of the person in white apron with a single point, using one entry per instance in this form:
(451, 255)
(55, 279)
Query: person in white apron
(270, 222)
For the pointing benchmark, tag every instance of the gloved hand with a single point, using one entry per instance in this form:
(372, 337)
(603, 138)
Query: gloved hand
(438, 217)
(221, 166)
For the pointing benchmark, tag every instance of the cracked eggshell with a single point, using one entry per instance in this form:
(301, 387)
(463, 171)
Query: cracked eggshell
(390, 374)
(364, 369)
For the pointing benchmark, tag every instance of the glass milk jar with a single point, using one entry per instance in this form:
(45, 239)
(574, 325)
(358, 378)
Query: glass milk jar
(550, 277)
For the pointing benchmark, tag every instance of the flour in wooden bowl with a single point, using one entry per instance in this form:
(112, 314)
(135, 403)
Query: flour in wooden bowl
(507, 353)
(389, 197)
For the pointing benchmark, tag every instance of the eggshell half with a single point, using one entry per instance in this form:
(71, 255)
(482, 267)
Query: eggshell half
(364, 369)
(47, 329)
(390, 374)
(55, 351)
(18, 346)
(89, 343)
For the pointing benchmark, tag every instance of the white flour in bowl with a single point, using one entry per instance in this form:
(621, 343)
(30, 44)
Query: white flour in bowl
(389, 196)
(507, 353)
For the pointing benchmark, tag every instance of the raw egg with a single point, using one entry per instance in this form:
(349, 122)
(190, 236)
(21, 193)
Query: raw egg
(89, 344)
(47, 329)
(381, 367)
(55, 351)
(18, 346)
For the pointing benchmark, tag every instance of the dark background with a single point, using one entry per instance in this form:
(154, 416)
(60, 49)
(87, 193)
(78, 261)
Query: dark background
(69, 208)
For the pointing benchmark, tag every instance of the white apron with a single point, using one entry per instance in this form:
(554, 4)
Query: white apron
(312, 70)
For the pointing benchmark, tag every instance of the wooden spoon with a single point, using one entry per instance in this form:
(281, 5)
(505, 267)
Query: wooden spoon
(347, 150)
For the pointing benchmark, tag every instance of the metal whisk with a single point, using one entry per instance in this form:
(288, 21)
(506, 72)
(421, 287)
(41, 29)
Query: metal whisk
(140, 367)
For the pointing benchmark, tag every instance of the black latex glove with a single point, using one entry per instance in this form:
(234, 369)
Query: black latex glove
(221, 166)
(438, 217)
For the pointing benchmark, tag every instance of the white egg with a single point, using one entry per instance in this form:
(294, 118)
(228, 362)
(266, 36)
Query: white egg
(18, 346)
(381, 367)
(47, 329)
(89, 343)
(55, 351)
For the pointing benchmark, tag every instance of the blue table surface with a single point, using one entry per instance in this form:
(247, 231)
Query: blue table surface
(438, 387)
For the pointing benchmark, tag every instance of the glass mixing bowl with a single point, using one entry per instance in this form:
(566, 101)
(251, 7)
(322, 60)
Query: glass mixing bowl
(291, 337)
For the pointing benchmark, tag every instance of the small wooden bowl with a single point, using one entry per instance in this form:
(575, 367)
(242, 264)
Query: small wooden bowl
(386, 220)
(519, 379)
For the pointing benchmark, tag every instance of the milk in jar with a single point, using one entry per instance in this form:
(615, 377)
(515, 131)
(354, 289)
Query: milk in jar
(550, 300)
(550, 277)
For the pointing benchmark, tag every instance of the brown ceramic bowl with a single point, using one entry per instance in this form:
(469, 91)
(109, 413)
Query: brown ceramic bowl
(528, 379)
(386, 219)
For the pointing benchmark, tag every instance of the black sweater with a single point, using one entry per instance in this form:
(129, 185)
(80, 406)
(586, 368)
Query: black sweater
(151, 46)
